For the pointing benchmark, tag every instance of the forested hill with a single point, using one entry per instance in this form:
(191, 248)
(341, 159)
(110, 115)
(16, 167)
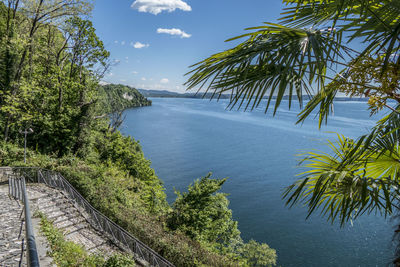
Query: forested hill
(119, 97)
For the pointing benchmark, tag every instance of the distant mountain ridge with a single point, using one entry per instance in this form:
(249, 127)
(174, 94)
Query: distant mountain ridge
(166, 93)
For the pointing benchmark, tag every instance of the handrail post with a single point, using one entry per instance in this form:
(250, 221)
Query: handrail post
(32, 256)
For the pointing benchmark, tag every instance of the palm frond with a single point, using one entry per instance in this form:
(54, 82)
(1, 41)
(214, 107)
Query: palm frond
(376, 22)
(357, 177)
(275, 60)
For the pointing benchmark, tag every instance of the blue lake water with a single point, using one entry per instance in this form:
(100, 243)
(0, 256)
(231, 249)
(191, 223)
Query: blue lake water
(187, 138)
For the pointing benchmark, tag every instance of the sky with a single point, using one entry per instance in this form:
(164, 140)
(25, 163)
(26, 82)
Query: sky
(153, 42)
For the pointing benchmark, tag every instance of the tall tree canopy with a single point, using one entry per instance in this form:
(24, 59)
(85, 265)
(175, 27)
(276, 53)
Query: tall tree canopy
(50, 63)
(320, 49)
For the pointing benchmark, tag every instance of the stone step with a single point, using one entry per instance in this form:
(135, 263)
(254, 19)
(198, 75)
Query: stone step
(50, 202)
(99, 247)
(71, 217)
(66, 208)
(38, 196)
(44, 203)
(63, 224)
(76, 228)
(77, 237)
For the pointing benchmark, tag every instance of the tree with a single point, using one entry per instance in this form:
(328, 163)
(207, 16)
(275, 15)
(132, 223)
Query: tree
(23, 20)
(203, 214)
(315, 52)
(258, 255)
(50, 63)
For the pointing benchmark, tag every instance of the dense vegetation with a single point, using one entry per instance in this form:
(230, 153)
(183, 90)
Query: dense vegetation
(51, 62)
(316, 51)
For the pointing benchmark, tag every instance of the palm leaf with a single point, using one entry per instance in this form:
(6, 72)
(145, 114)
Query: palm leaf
(274, 61)
(357, 177)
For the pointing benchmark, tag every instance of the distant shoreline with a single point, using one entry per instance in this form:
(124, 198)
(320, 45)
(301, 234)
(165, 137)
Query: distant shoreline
(169, 94)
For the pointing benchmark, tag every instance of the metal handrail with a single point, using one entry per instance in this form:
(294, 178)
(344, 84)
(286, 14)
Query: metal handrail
(17, 189)
(98, 220)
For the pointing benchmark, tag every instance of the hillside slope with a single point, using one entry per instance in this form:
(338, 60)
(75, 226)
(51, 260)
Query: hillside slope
(115, 97)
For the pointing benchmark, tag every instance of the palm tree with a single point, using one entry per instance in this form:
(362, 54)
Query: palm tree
(315, 53)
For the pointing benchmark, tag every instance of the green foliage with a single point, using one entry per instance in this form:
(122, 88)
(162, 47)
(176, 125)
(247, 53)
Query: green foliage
(49, 73)
(255, 70)
(67, 253)
(124, 200)
(203, 214)
(258, 255)
(126, 153)
(357, 177)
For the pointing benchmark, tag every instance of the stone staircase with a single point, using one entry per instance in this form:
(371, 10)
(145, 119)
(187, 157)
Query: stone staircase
(66, 217)
(58, 209)
(59, 206)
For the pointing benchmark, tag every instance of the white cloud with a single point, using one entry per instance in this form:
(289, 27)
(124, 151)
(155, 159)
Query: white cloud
(174, 31)
(143, 79)
(135, 72)
(116, 42)
(122, 80)
(139, 45)
(157, 6)
(164, 81)
(123, 43)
